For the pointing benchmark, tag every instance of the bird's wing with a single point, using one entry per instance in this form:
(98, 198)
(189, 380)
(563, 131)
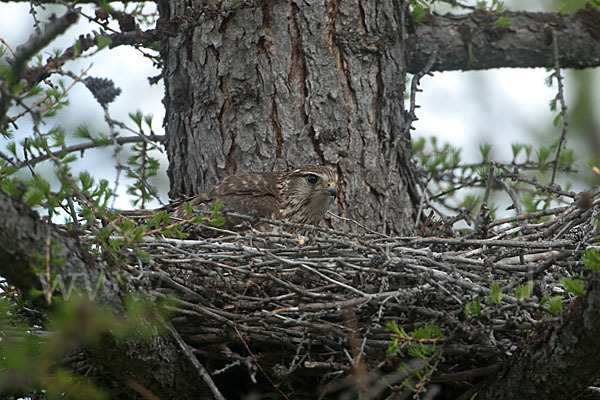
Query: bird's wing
(248, 193)
(256, 184)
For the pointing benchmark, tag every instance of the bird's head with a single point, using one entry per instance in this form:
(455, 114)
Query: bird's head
(306, 192)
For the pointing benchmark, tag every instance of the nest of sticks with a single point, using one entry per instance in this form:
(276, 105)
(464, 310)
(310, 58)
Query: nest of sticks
(275, 307)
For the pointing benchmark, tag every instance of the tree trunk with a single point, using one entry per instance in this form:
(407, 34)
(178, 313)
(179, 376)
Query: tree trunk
(570, 348)
(286, 83)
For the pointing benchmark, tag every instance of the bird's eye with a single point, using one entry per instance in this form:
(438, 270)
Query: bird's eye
(312, 179)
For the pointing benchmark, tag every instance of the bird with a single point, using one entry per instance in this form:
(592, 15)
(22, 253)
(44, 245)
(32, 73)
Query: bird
(301, 195)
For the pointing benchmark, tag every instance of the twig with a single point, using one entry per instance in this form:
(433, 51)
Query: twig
(563, 106)
(90, 145)
(356, 223)
(35, 43)
(7, 46)
(199, 367)
(258, 365)
(48, 285)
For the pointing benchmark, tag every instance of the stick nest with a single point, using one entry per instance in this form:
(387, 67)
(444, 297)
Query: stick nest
(278, 305)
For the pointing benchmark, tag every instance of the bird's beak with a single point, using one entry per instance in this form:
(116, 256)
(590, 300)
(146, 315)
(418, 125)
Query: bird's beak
(331, 188)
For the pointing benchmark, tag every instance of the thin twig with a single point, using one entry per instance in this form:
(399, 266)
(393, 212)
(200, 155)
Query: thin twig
(563, 106)
(199, 367)
(35, 43)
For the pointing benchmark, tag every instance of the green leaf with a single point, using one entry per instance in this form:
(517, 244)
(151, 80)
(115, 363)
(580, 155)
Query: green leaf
(496, 293)
(428, 331)
(570, 6)
(218, 207)
(566, 159)
(504, 22)
(82, 131)
(498, 6)
(455, 157)
(418, 145)
(102, 140)
(9, 186)
(137, 117)
(148, 120)
(58, 134)
(527, 150)
(189, 209)
(529, 202)
(575, 286)
(591, 259)
(77, 48)
(103, 41)
(484, 150)
(142, 254)
(86, 180)
(218, 221)
(471, 59)
(516, 149)
(34, 91)
(555, 305)
(542, 154)
(393, 326)
(470, 201)
(472, 308)
(12, 147)
(557, 119)
(524, 291)
(418, 13)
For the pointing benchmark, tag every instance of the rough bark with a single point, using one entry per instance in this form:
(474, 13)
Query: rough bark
(527, 43)
(290, 83)
(24, 243)
(559, 364)
(156, 365)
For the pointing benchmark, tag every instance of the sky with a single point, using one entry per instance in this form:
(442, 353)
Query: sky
(499, 107)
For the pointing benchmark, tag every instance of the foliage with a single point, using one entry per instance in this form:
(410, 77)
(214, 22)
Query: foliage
(504, 22)
(524, 291)
(554, 304)
(575, 286)
(496, 293)
(39, 165)
(571, 6)
(454, 183)
(142, 166)
(39, 161)
(420, 344)
(591, 259)
(472, 308)
(34, 360)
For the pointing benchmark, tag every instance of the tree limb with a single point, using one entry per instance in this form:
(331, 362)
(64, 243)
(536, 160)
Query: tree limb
(476, 40)
(23, 237)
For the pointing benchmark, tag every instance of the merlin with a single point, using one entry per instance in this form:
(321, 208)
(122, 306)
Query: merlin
(301, 195)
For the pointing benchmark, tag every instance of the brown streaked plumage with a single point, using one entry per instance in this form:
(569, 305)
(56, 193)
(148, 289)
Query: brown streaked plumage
(299, 195)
